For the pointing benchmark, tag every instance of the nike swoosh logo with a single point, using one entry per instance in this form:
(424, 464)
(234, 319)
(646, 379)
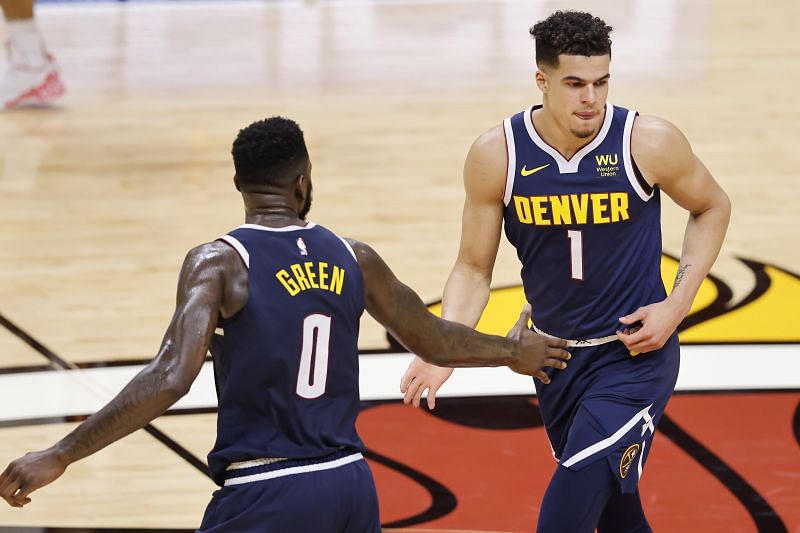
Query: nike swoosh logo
(526, 172)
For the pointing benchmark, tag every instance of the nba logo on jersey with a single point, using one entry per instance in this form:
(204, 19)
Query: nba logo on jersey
(301, 245)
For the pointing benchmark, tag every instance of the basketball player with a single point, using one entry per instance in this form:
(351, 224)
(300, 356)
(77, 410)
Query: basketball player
(285, 297)
(577, 183)
(32, 77)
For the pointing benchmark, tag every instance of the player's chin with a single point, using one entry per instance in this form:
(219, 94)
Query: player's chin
(583, 130)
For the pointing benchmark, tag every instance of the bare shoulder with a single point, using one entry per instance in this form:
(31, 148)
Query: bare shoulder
(490, 148)
(486, 164)
(660, 149)
(213, 260)
(365, 255)
(211, 254)
(491, 141)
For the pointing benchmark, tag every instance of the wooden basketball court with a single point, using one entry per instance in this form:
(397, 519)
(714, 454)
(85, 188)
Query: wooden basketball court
(101, 197)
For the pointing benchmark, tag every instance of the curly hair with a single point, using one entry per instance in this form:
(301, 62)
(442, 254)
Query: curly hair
(269, 152)
(571, 33)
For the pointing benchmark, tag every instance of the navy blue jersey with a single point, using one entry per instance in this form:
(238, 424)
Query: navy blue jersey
(286, 365)
(587, 230)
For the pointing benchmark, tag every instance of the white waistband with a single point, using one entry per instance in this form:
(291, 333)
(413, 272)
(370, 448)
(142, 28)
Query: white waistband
(315, 467)
(254, 462)
(580, 342)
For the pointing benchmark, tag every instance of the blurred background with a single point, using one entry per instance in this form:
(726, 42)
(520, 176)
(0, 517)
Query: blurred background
(104, 190)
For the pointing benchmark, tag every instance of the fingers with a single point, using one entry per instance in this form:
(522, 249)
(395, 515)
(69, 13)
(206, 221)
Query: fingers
(637, 315)
(559, 353)
(432, 397)
(8, 489)
(418, 395)
(521, 325)
(541, 376)
(411, 372)
(7, 482)
(20, 498)
(556, 343)
(405, 380)
(631, 337)
(554, 363)
(411, 390)
(640, 341)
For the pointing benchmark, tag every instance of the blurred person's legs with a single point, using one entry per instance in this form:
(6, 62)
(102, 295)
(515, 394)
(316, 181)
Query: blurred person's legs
(32, 76)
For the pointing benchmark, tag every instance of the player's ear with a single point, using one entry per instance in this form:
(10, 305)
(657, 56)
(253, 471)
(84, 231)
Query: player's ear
(301, 185)
(236, 183)
(541, 80)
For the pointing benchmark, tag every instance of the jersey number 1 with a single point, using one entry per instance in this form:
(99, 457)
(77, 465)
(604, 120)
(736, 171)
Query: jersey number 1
(314, 356)
(576, 253)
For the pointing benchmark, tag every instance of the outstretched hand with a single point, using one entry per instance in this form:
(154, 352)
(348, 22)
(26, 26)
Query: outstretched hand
(419, 377)
(32, 471)
(536, 351)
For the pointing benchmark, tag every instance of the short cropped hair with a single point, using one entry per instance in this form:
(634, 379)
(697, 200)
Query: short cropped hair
(571, 33)
(269, 152)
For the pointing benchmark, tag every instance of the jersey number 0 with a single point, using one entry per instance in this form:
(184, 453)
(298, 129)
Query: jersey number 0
(314, 356)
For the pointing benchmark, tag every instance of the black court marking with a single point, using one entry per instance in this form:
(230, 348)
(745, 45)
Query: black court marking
(26, 369)
(764, 516)
(182, 452)
(715, 309)
(60, 364)
(443, 501)
(519, 412)
(33, 343)
(796, 424)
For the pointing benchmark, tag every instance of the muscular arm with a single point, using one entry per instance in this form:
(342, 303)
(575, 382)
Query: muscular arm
(170, 375)
(404, 315)
(668, 162)
(467, 290)
(165, 380)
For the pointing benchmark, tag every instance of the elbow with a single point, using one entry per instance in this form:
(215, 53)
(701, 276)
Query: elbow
(170, 383)
(175, 387)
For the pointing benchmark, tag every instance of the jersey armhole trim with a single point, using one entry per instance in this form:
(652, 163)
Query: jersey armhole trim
(349, 248)
(638, 183)
(511, 169)
(238, 246)
(640, 178)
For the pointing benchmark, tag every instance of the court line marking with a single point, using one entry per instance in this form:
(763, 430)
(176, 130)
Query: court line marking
(703, 368)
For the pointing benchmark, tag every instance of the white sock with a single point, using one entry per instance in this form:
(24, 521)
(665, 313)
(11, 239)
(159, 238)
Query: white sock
(27, 47)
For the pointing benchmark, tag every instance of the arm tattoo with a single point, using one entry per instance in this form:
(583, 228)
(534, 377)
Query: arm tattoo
(138, 402)
(679, 276)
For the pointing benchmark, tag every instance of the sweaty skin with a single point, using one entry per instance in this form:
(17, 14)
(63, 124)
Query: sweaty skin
(213, 284)
(573, 109)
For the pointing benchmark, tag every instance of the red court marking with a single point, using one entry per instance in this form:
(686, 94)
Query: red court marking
(499, 476)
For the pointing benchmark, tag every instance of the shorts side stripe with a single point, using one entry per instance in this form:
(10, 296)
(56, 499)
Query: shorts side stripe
(605, 443)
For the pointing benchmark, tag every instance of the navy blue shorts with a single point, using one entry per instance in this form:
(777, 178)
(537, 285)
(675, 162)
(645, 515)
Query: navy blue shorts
(334, 494)
(606, 405)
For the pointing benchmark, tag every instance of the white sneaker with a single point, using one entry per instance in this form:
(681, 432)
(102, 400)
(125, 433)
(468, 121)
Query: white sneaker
(23, 85)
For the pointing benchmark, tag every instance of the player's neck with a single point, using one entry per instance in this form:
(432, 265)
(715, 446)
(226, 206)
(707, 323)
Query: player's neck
(557, 136)
(274, 220)
(271, 210)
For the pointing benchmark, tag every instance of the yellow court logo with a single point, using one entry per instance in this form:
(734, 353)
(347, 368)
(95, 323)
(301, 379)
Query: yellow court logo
(526, 172)
(627, 459)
